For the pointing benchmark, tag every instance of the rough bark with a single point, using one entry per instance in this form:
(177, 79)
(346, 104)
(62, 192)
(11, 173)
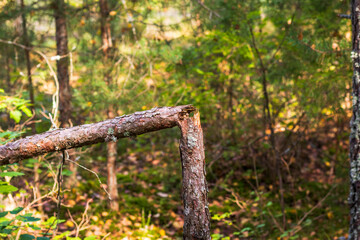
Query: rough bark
(63, 63)
(194, 186)
(354, 197)
(105, 131)
(28, 63)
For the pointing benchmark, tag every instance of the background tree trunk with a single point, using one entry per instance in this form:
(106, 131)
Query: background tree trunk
(111, 146)
(354, 198)
(27, 43)
(28, 62)
(8, 71)
(62, 65)
(105, 27)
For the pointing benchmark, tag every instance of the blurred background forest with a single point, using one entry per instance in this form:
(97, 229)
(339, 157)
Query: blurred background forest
(272, 81)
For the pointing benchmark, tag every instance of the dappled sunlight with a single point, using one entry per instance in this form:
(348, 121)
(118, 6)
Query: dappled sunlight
(270, 81)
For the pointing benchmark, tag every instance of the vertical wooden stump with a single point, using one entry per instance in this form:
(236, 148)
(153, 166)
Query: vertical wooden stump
(194, 186)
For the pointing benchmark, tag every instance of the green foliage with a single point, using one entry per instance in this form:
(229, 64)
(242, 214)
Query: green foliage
(217, 57)
(6, 188)
(26, 237)
(11, 174)
(14, 105)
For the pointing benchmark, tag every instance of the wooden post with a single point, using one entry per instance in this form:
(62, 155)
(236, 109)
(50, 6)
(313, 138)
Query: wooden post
(194, 186)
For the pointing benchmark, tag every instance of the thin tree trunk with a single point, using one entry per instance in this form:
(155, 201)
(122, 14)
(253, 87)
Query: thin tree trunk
(28, 63)
(230, 121)
(37, 183)
(269, 124)
(8, 76)
(111, 171)
(354, 197)
(111, 146)
(31, 94)
(62, 65)
(105, 27)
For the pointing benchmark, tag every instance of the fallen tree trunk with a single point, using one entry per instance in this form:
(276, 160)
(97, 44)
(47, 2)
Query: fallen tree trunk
(105, 131)
(194, 186)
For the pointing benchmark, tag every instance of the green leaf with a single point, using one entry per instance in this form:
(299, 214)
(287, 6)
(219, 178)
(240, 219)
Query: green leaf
(26, 110)
(285, 234)
(5, 223)
(34, 227)
(8, 135)
(3, 214)
(26, 237)
(216, 236)
(199, 71)
(43, 238)
(6, 231)
(52, 222)
(67, 172)
(308, 222)
(28, 219)
(245, 229)
(7, 189)
(16, 115)
(260, 225)
(16, 210)
(91, 238)
(11, 174)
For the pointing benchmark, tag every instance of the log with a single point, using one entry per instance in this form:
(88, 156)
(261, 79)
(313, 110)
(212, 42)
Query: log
(108, 130)
(194, 186)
